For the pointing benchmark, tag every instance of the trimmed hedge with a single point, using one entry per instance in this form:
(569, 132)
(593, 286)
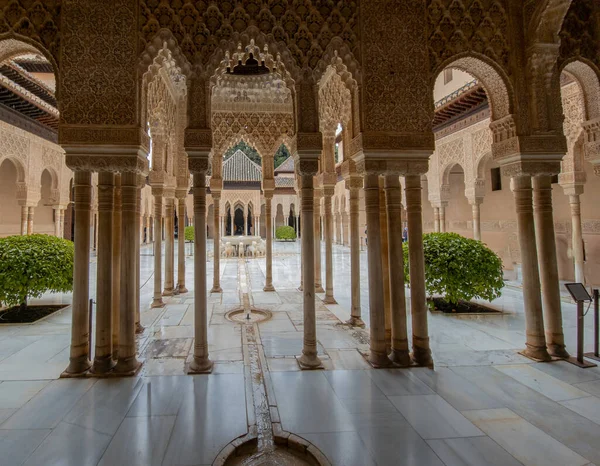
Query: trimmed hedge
(459, 268)
(285, 232)
(31, 265)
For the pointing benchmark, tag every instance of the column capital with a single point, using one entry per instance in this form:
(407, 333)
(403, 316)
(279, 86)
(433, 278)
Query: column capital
(396, 166)
(268, 184)
(158, 190)
(216, 185)
(181, 194)
(104, 158)
(306, 166)
(198, 160)
(268, 195)
(531, 167)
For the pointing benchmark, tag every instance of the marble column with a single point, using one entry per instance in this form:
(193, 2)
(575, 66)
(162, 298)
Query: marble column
(148, 229)
(57, 210)
(534, 321)
(317, 233)
(546, 245)
(443, 218)
(231, 223)
(103, 357)
(169, 247)
(158, 200)
(127, 362)
(399, 340)
(436, 220)
(476, 208)
(269, 278)
(385, 264)
(24, 220)
(418, 304)
(181, 244)
(141, 182)
(116, 264)
(79, 361)
(201, 362)
(309, 358)
(355, 311)
(62, 222)
(30, 211)
(378, 348)
(217, 243)
(329, 299)
(577, 237)
(298, 232)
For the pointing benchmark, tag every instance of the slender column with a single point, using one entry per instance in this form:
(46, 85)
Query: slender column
(217, 244)
(577, 238)
(436, 220)
(329, 299)
(418, 304)
(141, 182)
(378, 349)
(393, 200)
(317, 230)
(546, 244)
(181, 245)
(103, 358)
(148, 236)
(158, 199)
(79, 356)
(443, 218)
(116, 264)
(385, 265)
(309, 358)
(201, 363)
(62, 223)
(476, 219)
(269, 279)
(30, 220)
(127, 363)
(169, 247)
(231, 223)
(57, 221)
(298, 232)
(24, 210)
(355, 312)
(534, 321)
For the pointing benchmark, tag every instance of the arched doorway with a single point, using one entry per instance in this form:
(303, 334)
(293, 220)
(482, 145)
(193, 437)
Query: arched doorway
(238, 221)
(9, 207)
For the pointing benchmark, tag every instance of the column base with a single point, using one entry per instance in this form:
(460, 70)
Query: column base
(200, 366)
(168, 292)
(558, 351)
(269, 288)
(182, 289)
(378, 360)
(537, 354)
(139, 328)
(400, 357)
(102, 366)
(216, 289)
(127, 367)
(329, 300)
(158, 302)
(356, 322)
(77, 368)
(422, 357)
(300, 288)
(309, 362)
(319, 289)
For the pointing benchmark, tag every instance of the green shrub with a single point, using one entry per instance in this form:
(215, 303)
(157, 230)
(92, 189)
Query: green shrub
(189, 233)
(32, 265)
(458, 268)
(285, 232)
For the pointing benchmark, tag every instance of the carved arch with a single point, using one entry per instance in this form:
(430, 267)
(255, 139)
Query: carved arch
(18, 166)
(587, 76)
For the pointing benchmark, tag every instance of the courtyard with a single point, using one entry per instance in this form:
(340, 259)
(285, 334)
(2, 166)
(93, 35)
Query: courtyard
(483, 403)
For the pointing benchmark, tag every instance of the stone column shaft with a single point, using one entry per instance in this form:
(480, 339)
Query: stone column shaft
(317, 230)
(116, 264)
(201, 362)
(30, 211)
(57, 221)
(534, 321)
(378, 348)
(24, 210)
(329, 299)
(79, 355)
(393, 197)
(309, 358)
(103, 357)
(158, 199)
(436, 220)
(268, 212)
(355, 313)
(62, 223)
(127, 363)
(476, 207)
(546, 244)
(385, 265)
(577, 238)
(169, 247)
(141, 180)
(443, 218)
(418, 303)
(217, 245)
(181, 247)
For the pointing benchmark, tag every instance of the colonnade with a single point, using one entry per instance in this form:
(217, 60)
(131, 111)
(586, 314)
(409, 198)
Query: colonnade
(27, 216)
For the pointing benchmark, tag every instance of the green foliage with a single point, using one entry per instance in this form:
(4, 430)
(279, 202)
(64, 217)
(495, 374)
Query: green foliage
(246, 149)
(285, 232)
(189, 233)
(281, 155)
(32, 265)
(459, 268)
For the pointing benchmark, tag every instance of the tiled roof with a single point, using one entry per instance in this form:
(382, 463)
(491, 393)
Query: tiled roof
(287, 166)
(284, 182)
(240, 168)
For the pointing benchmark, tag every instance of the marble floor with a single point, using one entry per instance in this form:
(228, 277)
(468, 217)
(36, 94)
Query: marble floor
(484, 404)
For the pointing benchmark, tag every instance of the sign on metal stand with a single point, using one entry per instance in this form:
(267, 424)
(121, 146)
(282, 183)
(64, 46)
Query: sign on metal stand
(580, 295)
(595, 355)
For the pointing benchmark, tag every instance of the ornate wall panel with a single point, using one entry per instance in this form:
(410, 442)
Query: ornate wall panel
(580, 34)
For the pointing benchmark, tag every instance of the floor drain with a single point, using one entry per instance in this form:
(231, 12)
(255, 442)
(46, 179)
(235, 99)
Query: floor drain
(253, 316)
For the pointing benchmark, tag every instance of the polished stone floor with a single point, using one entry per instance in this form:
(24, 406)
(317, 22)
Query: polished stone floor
(484, 404)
